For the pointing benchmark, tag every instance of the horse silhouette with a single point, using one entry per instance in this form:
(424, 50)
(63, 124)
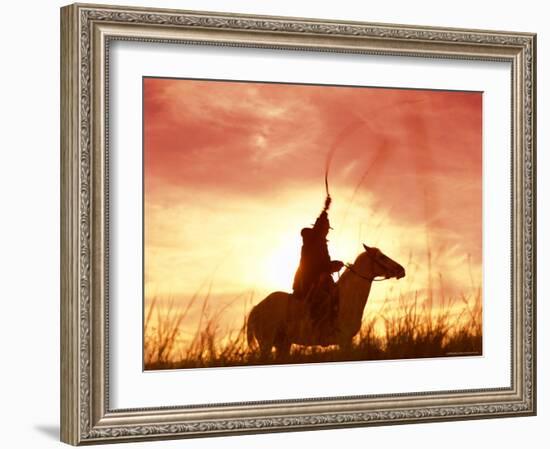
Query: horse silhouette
(281, 320)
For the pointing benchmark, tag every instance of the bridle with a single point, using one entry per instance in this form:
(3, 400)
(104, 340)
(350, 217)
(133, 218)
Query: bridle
(349, 266)
(374, 279)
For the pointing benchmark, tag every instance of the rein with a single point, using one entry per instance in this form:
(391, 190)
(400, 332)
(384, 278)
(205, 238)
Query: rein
(350, 268)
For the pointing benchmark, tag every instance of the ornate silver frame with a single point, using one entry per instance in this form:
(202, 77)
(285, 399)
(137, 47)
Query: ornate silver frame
(86, 31)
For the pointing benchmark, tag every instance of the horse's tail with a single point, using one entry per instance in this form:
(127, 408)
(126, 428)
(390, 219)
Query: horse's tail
(250, 328)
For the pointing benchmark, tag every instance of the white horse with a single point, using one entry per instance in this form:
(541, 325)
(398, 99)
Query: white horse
(281, 320)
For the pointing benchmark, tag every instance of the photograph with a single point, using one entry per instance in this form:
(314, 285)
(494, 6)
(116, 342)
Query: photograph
(289, 223)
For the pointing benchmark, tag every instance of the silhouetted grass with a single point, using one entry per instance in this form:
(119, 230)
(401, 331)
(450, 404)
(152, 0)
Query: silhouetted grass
(403, 329)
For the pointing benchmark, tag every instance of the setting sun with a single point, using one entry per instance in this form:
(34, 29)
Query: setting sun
(279, 266)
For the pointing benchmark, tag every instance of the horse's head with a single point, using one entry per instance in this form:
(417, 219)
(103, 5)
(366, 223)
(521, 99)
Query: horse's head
(373, 264)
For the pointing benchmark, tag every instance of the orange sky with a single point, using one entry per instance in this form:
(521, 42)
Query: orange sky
(234, 170)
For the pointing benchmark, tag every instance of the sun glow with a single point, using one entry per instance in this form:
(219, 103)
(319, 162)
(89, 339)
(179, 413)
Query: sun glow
(278, 268)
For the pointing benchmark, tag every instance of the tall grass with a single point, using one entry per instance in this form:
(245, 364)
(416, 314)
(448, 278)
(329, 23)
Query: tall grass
(408, 327)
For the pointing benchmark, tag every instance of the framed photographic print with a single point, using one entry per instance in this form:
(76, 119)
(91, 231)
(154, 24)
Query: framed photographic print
(274, 223)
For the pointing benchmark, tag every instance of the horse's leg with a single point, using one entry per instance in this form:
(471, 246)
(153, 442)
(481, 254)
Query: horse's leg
(265, 350)
(282, 344)
(345, 345)
(283, 350)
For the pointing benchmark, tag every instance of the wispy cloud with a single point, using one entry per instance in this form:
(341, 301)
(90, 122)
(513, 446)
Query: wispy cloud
(233, 171)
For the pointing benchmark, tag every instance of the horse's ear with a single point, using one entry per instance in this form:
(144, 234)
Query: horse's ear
(366, 247)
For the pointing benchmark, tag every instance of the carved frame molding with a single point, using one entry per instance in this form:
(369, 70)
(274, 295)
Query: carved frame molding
(87, 31)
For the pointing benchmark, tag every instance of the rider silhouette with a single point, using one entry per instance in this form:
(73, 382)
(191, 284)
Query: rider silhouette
(313, 281)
